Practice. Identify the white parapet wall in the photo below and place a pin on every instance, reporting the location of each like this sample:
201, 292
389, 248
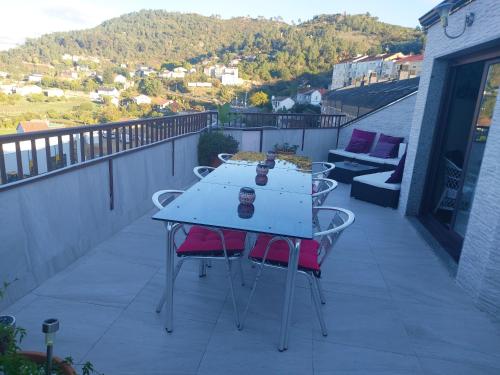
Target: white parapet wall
47, 224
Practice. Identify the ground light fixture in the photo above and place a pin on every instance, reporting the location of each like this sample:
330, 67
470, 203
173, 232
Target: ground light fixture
50, 327
444, 11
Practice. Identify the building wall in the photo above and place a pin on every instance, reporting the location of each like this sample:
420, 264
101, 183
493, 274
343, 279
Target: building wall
48, 224
480, 261
394, 119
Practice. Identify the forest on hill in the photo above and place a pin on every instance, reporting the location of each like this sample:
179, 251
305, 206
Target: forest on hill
271, 49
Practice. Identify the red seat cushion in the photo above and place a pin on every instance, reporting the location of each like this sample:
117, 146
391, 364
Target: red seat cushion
279, 251
204, 242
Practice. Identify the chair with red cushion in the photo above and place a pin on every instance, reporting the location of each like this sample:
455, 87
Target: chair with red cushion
204, 244
274, 252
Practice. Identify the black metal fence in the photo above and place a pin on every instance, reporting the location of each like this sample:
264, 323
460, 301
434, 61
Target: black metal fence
282, 120
27, 155
31, 154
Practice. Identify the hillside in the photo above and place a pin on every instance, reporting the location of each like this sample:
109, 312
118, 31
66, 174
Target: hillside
276, 49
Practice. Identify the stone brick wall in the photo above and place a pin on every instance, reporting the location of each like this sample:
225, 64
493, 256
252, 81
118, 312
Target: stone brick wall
479, 268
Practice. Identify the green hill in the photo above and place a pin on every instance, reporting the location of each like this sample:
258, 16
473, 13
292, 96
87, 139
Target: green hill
273, 48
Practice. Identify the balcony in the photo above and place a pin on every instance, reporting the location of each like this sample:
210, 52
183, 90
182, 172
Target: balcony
81, 242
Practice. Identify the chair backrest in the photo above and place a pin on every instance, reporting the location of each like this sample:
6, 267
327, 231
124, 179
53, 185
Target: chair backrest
202, 171
453, 175
339, 221
162, 197
321, 188
321, 169
224, 157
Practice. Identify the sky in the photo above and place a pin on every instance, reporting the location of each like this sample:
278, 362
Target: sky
23, 19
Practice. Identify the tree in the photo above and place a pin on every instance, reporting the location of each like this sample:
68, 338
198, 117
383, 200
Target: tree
150, 86
259, 99
226, 94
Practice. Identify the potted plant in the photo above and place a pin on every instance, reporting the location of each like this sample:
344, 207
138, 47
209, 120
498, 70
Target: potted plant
14, 361
285, 148
212, 144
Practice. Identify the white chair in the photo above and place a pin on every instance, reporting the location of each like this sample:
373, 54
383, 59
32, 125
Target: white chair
202, 171
274, 251
322, 169
321, 189
230, 248
225, 157
452, 179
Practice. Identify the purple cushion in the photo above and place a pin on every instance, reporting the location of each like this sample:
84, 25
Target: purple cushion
383, 150
394, 140
361, 141
397, 176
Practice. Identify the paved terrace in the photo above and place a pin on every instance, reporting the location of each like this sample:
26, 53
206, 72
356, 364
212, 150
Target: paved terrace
393, 308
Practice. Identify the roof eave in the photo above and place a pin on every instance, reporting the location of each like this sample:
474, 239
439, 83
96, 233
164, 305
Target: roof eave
431, 17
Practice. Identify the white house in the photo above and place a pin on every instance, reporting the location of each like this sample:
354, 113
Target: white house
120, 79
54, 92
180, 69
108, 91
28, 90
7, 89
199, 84
407, 67
142, 99
95, 97
35, 77
341, 72
4, 74
115, 101
281, 103
309, 96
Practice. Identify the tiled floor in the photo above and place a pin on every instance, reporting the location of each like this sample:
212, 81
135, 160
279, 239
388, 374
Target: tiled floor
392, 308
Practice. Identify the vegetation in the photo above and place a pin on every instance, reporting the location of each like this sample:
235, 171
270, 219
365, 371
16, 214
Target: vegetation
259, 99
270, 49
212, 144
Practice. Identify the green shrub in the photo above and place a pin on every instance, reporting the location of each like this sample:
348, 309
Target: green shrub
213, 143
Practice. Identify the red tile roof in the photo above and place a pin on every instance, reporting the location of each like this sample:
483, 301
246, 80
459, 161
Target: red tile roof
410, 58
34, 125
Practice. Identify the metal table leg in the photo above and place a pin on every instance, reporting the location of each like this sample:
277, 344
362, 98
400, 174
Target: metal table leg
169, 281
293, 261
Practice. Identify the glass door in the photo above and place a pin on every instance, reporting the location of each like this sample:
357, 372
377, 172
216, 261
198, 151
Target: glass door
477, 144
458, 151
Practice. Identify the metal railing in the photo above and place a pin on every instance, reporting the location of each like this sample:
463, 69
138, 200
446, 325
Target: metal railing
283, 120
32, 154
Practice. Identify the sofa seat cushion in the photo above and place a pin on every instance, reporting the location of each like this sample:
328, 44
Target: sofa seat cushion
378, 180
204, 242
366, 157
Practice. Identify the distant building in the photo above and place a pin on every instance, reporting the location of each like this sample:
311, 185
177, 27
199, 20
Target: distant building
199, 84
145, 71
142, 99
161, 103
54, 93
108, 91
4, 74
115, 101
364, 69
180, 69
69, 75
32, 126
408, 67
120, 79
309, 96
7, 89
28, 90
281, 103
35, 77
95, 97
227, 76
173, 74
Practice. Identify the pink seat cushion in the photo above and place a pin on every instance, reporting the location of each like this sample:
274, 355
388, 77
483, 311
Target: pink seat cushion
279, 251
204, 242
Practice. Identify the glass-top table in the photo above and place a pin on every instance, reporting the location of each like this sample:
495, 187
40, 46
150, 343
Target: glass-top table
290, 180
283, 207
